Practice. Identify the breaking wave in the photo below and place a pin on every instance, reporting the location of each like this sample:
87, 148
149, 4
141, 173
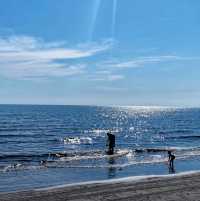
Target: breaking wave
78, 140
93, 158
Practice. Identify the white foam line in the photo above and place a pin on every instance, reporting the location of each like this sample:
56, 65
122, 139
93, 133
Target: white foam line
119, 153
119, 180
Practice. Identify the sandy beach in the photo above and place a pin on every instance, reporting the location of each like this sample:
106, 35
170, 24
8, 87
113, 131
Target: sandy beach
178, 187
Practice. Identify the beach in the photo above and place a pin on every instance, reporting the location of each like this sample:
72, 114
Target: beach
172, 187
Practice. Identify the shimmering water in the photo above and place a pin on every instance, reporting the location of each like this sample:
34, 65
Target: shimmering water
50, 145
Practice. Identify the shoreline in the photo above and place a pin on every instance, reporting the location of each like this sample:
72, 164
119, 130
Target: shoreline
184, 185
119, 180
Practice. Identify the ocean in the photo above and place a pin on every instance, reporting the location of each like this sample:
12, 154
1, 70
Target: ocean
42, 146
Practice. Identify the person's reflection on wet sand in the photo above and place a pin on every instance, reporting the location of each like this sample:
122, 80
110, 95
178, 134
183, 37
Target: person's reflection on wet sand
111, 168
171, 170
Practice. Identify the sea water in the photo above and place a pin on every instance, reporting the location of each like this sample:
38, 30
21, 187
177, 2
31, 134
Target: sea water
43, 146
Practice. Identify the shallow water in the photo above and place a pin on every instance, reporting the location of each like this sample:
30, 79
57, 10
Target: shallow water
51, 145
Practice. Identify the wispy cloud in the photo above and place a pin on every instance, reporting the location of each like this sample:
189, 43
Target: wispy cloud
111, 70
115, 77
141, 61
106, 77
111, 89
24, 56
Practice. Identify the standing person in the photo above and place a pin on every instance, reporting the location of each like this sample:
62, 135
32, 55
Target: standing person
110, 143
171, 158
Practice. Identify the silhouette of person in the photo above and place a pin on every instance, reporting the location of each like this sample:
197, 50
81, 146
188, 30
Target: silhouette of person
110, 143
171, 158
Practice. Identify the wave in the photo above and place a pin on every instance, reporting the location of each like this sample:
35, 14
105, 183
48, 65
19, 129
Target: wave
63, 160
29, 135
19, 166
65, 164
103, 131
151, 160
18, 129
97, 131
176, 131
79, 155
46, 156
13, 136
78, 140
184, 137
97, 155
29, 141
92, 159
93, 153
165, 149
23, 157
53, 160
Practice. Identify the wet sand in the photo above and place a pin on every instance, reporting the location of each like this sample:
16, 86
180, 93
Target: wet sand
179, 187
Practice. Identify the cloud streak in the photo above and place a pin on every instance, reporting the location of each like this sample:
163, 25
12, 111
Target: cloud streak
107, 76
141, 61
24, 56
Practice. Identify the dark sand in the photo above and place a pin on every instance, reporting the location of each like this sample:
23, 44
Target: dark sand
180, 187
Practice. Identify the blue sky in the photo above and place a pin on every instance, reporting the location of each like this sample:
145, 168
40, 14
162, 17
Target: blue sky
100, 52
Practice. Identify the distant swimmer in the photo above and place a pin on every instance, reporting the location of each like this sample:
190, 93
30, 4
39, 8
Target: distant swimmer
171, 158
110, 143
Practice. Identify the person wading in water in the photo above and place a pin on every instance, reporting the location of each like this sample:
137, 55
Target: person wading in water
110, 143
171, 158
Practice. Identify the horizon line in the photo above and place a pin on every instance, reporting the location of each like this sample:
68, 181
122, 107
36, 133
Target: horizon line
99, 105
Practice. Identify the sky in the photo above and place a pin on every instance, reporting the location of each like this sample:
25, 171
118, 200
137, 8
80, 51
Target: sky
100, 52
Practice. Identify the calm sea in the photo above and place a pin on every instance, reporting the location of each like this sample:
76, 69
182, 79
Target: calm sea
51, 145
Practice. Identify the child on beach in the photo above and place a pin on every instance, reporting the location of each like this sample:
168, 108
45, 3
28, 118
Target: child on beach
171, 158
